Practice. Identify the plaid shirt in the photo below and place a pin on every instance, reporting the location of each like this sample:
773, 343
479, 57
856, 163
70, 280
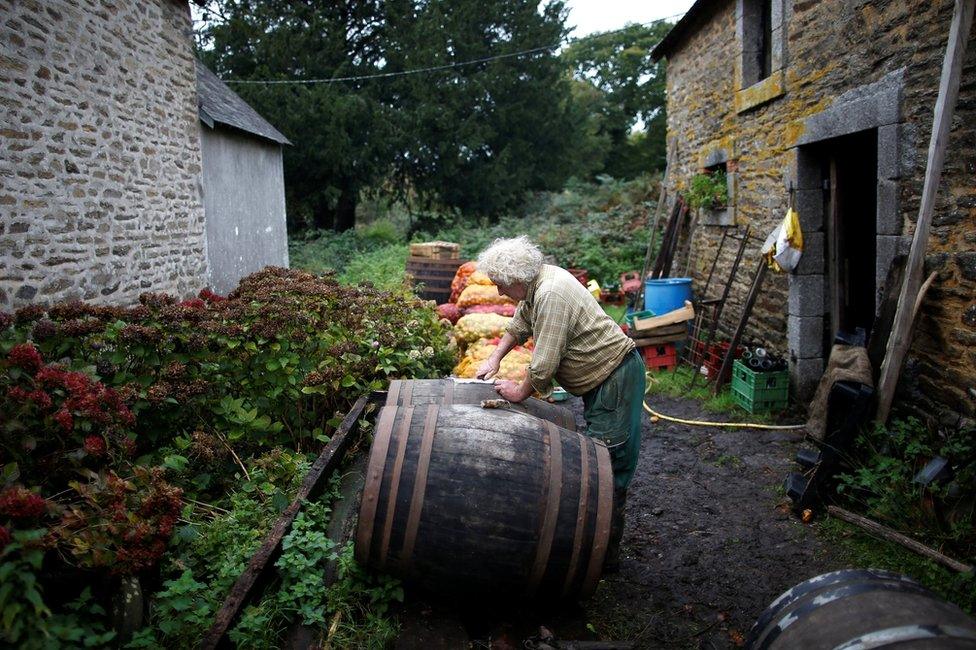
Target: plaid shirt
575, 341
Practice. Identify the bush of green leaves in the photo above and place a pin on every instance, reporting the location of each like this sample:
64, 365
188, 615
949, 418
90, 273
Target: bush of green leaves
881, 483
201, 387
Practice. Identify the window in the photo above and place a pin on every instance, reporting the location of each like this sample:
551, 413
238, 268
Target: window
760, 32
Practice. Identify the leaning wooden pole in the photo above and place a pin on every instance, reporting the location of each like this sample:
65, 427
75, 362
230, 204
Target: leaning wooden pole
661, 202
884, 532
900, 339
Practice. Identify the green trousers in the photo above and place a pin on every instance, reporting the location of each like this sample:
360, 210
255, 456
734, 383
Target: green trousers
613, 414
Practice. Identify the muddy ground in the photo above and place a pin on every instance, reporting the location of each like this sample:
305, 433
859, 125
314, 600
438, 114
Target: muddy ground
708, 544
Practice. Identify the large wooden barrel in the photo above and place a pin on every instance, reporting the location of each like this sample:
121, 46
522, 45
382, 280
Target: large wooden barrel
861, 608
435, 276
494, 503
418, 392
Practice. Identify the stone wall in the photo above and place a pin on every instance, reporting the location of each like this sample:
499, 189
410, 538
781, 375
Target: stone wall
847, 65
99, 179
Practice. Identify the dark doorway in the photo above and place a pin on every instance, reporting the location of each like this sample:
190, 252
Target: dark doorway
851, 174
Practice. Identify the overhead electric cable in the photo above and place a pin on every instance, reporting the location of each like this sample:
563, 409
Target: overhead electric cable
437, 68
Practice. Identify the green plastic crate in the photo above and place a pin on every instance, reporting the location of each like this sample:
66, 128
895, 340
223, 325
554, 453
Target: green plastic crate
631, 317
758, 405
759, 391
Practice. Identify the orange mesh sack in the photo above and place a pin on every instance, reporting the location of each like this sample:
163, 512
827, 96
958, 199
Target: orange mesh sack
460, 280
472, 327
513, 367
480, 294
480, 278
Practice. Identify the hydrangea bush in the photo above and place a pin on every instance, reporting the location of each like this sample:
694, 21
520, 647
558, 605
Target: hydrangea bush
97, 400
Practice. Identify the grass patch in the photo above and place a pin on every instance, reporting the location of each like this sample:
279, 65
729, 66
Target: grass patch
858, 549
616, 312
385, 267
676, 384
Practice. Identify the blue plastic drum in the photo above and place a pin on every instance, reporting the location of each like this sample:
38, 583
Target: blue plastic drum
666, 294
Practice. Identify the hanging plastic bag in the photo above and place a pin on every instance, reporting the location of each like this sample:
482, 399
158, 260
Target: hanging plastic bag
784, 246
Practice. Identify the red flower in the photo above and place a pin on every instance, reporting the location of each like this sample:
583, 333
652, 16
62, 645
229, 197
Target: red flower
50, 375
194, 303
129, 445
63, 417
20, 503
126, 415
26, 356
39, 397
95, 446
18, 394
76, 382
210, 296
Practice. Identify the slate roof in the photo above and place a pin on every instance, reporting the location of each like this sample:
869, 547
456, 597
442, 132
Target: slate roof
219, 104
684, 27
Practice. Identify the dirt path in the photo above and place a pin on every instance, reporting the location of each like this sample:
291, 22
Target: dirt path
708, 544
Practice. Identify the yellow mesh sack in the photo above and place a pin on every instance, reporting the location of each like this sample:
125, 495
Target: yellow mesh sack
481, 294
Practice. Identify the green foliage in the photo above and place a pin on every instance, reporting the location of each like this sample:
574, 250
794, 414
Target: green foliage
858, 548
474, 137
356, 604
384, 267
880, 483
203, 388
709, 190
26, 620
618, 64
601, 227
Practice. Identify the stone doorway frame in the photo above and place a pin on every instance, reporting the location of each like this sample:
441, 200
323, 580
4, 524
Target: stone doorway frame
876, 106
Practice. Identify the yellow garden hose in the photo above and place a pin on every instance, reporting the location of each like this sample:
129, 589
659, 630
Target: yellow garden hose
744, 425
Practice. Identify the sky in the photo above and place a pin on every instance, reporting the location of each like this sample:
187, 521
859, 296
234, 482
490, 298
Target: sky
601, 15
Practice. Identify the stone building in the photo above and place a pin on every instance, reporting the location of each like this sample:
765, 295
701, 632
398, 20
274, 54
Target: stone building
104, 190
834, 99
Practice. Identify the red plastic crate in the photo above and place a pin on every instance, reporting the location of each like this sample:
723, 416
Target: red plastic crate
660, 357
714, 354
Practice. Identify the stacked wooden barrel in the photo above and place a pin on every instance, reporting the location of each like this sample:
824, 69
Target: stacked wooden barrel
459, 498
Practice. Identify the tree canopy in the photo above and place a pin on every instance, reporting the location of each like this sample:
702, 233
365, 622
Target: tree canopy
618, 63
380, 96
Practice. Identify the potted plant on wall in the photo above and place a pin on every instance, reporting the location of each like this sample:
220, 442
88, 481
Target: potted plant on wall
709, 193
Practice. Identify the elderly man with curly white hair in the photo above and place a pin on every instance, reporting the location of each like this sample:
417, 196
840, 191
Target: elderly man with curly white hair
580, 346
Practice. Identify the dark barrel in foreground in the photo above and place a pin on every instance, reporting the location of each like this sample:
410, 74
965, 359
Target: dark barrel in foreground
419, 392
861, 609
485, 503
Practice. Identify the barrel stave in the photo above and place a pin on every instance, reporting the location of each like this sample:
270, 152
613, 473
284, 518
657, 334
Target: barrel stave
494, 516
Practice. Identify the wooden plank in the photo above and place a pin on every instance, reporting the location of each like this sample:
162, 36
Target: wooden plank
729, 357
885, 317
665, 330
659, 340
258, 569
893, 536
686, 313
900, 339
661, 201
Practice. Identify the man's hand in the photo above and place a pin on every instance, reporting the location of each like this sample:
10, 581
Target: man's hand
489, 368
512, 391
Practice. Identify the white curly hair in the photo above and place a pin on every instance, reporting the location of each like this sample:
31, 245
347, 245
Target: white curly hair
511, 261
